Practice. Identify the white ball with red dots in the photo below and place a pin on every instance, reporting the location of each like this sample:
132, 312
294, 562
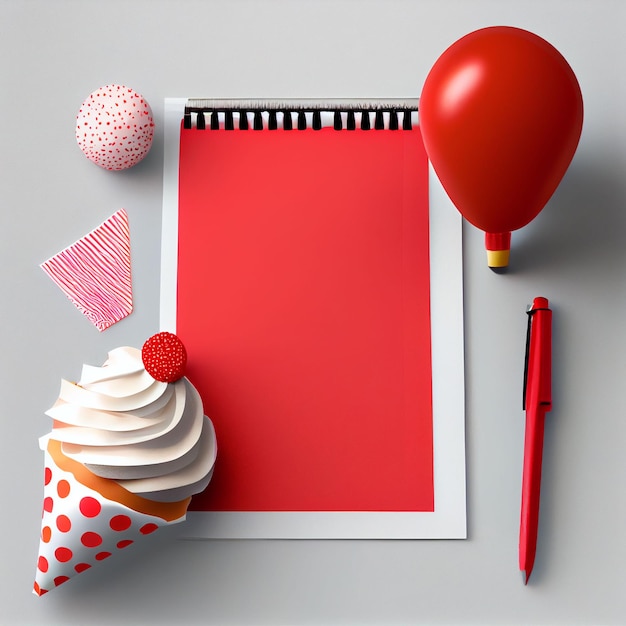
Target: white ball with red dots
115, 127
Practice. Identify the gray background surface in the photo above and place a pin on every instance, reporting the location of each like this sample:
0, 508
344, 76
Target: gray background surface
53, 53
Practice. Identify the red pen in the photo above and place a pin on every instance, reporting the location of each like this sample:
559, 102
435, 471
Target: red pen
537, 402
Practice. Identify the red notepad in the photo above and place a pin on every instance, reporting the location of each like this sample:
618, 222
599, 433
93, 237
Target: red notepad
303, 301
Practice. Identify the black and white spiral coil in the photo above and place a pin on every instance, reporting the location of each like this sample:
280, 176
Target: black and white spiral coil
206, 114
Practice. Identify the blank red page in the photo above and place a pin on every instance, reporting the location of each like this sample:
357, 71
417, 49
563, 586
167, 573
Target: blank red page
303, 301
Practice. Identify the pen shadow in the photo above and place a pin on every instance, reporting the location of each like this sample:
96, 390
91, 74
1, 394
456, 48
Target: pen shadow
583, 223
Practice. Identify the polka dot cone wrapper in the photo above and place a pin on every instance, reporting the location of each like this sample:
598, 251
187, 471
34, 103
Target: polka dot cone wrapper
80, 527
115, 127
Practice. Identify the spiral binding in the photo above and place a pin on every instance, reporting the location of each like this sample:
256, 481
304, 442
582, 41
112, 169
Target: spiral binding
207, 114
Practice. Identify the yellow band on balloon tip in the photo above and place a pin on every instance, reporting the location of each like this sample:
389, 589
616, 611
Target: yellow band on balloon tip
498, 258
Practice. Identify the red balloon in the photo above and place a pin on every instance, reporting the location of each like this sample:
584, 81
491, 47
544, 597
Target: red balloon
501, 114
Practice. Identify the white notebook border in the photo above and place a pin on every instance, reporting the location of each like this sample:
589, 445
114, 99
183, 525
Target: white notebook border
448, 521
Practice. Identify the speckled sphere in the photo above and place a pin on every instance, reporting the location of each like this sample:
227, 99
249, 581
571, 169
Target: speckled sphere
114, 127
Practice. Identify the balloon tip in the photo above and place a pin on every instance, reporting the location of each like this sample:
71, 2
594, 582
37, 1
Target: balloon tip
498, 246
498, 260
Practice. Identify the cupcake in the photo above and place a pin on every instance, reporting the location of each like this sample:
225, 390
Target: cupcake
125, 454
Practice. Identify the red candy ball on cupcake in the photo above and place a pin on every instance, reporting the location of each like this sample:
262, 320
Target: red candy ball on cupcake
164, 357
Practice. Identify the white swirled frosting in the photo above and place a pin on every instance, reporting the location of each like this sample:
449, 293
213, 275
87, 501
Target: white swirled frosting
151, 437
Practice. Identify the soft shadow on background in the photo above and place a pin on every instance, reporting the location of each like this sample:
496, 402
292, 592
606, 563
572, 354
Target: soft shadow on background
583, 224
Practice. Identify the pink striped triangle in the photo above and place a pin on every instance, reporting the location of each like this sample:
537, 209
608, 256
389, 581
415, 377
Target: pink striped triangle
94, 273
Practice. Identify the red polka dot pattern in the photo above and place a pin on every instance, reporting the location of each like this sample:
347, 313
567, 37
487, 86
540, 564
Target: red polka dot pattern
91, 539
63, 488
120, 522
90, 507
38, 590
64, 524
146, 529
115, 127
80, 527
63, 554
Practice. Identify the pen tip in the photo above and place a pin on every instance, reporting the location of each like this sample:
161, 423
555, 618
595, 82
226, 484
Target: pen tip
499, 270
525, 576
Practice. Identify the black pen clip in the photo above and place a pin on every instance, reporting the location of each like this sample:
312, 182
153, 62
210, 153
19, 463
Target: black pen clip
530, 311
